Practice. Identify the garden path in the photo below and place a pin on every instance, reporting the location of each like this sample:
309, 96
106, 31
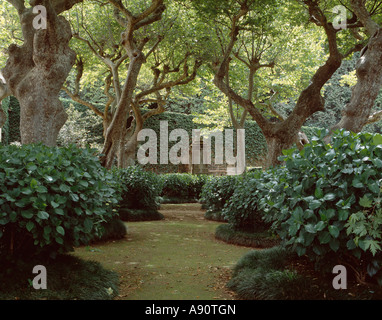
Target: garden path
177, 258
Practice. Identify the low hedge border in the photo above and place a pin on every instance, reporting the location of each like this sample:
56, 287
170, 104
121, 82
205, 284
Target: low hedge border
226, 233
69, 278
278, 274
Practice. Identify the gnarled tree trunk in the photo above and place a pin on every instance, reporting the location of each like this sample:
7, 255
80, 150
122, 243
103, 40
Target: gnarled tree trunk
36, 71
369, 73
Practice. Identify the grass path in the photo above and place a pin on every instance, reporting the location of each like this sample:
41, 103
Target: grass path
174, 259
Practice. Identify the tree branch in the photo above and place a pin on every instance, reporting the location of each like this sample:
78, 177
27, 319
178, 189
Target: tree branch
76, 97
18, 4
221, 72
363, 15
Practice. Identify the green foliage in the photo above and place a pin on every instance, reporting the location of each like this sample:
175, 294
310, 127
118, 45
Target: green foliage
83, 127
273, 274
69, 278
182, 185
317, 201
227, 233
255, 144
52, 199
12, 126
114, 229
364, 225
242, 210
5, 129
127, 214
217, 191
140, 188
261, 275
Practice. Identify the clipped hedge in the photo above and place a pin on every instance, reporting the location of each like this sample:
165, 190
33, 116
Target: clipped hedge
325, 202
140, 188
254, 139
5, 129
182, 187
11, 129
52, 199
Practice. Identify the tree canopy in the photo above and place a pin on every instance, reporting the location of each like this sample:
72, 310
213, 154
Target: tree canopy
283, 64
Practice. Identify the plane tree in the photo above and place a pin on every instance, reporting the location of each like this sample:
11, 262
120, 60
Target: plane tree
153, 55
37, 65
245, 15
358, 112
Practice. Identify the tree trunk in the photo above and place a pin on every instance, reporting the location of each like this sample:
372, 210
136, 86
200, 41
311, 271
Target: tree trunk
365, 92
115, 139
130, 151
279, 137
35, 73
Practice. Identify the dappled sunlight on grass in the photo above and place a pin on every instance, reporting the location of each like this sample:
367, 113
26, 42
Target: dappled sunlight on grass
176, 258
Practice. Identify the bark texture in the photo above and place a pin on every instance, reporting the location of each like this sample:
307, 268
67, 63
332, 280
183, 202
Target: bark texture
357, 112
35, 72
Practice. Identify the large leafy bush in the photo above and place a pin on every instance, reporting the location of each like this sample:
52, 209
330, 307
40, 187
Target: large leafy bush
52, 199
325, 202
140, 188
242, 207
217, 191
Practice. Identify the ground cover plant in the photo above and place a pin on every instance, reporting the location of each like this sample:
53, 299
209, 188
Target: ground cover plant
69, 278
228, 234
278, 273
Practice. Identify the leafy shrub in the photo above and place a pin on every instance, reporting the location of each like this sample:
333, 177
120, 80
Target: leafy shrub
140, 188
197, 185
182, 185
51, 199
325, 202
114, 229
69, 278
242, 208
217, 191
